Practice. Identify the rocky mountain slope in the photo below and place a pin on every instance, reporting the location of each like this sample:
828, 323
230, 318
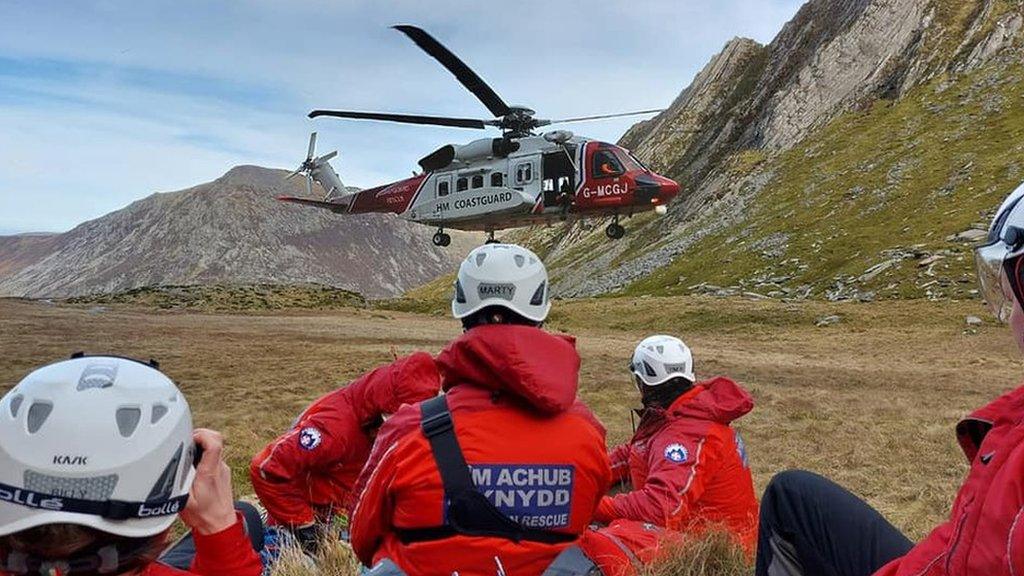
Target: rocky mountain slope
849, 158
231, 230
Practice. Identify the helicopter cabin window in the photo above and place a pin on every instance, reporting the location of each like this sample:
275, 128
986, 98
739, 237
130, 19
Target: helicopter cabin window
606, 165
478, 181
524, 173
442, 188
461, 184
497, 180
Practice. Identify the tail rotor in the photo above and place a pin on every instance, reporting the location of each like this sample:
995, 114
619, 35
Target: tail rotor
318, 169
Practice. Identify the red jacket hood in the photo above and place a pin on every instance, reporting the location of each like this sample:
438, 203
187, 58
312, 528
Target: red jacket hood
718, 400
526, 362
1007, 409
405, 381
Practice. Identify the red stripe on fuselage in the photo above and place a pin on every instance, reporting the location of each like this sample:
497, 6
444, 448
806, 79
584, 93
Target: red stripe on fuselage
395, 197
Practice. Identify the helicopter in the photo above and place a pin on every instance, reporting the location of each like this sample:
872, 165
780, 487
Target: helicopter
520, 178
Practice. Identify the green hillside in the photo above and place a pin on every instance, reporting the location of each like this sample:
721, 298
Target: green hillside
866, 206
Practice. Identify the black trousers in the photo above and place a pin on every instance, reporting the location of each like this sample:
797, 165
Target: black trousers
181, 554
811, 526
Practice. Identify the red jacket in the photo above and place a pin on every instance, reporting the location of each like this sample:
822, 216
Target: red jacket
688, 467
512, 394
313, 468
985, 532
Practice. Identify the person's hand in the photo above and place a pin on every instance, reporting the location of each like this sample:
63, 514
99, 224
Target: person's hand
211, 506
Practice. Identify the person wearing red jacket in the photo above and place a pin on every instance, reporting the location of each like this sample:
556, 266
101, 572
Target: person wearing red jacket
503, 472
687, 466
307, 475
97, 459
810, 525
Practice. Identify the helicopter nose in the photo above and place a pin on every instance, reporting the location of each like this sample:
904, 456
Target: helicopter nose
669, 190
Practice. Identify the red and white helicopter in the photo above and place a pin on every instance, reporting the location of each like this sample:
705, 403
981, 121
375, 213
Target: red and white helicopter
518, 179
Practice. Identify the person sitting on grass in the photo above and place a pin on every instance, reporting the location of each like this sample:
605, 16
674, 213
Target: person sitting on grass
97, 459
687, 465
305, 477
810, 525
501, 474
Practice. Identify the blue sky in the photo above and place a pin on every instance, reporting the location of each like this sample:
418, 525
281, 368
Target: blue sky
106, 102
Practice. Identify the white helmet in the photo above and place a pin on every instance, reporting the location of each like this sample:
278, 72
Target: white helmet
502, 275
658, 359
95, 441
1000, 254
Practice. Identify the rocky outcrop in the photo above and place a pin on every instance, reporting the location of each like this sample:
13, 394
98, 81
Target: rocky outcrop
753, 103
231, 230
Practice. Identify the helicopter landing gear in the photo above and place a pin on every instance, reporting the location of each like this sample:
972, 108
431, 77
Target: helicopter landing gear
441, 239
615, 230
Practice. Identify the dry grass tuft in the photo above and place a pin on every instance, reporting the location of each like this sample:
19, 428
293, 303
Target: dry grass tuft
336, 558
714, 555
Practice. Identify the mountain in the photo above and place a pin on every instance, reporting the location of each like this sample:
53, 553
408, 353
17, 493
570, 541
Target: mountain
231, 230
852, 157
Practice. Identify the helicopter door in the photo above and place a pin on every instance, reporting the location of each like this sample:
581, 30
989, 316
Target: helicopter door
558, 177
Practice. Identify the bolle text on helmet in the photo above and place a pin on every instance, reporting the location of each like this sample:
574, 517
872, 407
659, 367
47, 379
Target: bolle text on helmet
165, 509
30, 499
503, 291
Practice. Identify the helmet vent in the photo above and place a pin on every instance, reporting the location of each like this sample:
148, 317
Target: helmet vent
159, 411
94, 488
460, 296
649, 370
661, 349
480, 259
37, 415
128, 420
538, 295
16, 405
520, 260
165, 483
98, 375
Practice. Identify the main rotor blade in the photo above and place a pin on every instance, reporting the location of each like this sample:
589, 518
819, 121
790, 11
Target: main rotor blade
296, 172
312, 146
458, 68
309, 185
326, 157
603, 116
403, 118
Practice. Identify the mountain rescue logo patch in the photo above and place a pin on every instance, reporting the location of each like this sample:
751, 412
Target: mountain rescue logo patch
310, 438
676, 453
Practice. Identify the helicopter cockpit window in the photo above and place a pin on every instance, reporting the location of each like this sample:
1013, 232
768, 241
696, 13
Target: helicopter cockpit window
461, 184
606, 165
442, 188
478, 181
497, 180
524, 173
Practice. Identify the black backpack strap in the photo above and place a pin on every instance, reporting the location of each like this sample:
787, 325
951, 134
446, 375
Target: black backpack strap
436, 423
469, 512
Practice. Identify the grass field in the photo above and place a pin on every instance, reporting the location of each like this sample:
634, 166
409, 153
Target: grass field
870, 401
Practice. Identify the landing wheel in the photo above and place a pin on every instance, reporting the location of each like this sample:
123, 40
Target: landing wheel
442, 239
490, 239
615, 231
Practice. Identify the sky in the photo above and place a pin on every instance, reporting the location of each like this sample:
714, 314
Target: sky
106, 102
